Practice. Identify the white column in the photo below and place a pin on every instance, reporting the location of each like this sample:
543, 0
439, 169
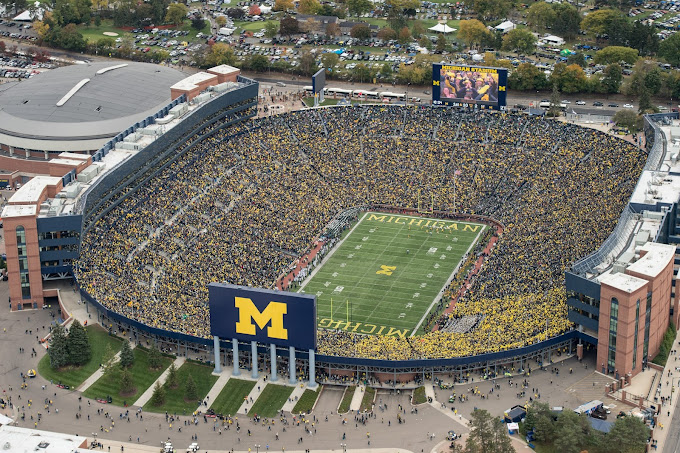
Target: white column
234, 345
253, 353
291, 365
312, 378
274, 378
216, 350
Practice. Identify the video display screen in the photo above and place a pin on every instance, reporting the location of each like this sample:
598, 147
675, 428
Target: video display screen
469, 86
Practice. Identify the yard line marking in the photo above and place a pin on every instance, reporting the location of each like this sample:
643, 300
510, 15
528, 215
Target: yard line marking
327, 257
448, 282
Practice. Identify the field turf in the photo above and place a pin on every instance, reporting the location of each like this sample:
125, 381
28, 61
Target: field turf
388, 272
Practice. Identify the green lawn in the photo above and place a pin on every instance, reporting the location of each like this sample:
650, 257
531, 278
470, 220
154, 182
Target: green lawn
231, 397
346, 399
142, 376
307, 401
271, 400
388, 271
252, 26
73, 377
419, 396
92, 33
174, 401
367, 400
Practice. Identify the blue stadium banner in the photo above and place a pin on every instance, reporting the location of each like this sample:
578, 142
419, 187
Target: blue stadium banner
474, 87
262, 315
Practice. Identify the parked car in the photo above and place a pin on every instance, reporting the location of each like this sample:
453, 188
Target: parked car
628, 106
598, 104
580, 102
612, 104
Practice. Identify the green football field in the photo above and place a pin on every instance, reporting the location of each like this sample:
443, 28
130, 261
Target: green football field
388, 272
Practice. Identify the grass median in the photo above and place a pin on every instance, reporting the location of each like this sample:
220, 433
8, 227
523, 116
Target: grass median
232, 396
74, 376
142, 377
175, 401
307, 401
346, 399
367, 400
271, 400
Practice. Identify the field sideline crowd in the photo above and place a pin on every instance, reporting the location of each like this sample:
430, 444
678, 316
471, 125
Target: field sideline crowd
241, 209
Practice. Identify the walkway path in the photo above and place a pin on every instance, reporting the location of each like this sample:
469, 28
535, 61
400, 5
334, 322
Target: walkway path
254, 394
146, 396
355, 405
294, 397
217, 388
99, 373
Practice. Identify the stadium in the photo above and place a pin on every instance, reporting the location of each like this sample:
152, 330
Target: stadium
434, 239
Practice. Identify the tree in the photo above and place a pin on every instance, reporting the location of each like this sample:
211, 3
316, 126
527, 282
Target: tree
258, 63
628, 435
235, 13
155, 358
473, 32
555, 102
126, 383
172, 380
72, 12
569, 79
404, 36
360, 31
283, 5
220, 53
541, 15
271, 29
176, 14
630, 120
527, 77
254, 10
571, 433
16, 5
158, 396
425, 42
58, 350
79, 351
329, 60
386, 70
289, 26
362, 73
442, 43
386, 34
41, 28
492, 9
598, 22
612, 76
307, 63
616, 54
669, 49
198, 23
644, 101
222, 21
487, 434
358, 7
418, 29
332, 30
577, 58
519, 40
567, 20
309, 6
127, 357
643, 37
190, 390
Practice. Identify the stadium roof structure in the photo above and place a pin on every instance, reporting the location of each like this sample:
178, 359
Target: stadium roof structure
91, 102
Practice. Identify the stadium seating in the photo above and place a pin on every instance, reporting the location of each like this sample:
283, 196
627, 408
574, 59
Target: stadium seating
240, 207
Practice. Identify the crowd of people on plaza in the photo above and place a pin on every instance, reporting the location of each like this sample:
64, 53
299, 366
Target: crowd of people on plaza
242, 205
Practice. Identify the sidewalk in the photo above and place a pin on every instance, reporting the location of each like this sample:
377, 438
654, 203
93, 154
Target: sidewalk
254, 394
355, 405
99, 373
146, 396
294, 397
217, 388
668, 390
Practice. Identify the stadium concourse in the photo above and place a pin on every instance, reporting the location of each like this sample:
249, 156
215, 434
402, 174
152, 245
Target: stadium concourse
242, 209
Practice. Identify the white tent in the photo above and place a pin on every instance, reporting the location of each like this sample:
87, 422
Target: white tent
442, 28
35, 12
505, 27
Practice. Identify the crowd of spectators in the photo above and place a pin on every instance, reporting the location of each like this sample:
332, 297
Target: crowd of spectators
241, 207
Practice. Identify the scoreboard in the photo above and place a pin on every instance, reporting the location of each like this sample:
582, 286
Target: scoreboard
469, 86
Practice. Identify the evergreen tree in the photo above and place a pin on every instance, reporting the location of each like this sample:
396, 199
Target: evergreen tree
173, 381
644, 101
487, 434
127, 357
158, 396
155, 358
555, 102
191, 392
126, 384
79, 351
58, 350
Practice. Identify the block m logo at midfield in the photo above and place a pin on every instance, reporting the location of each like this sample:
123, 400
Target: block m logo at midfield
273, 314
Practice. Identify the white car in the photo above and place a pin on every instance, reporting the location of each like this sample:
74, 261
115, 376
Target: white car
565, 101
628, 106
663, 108
580, 102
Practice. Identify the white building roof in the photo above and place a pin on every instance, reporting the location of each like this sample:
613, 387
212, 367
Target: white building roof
507, 25
30, 192
655, 260
192, 81
19, 210
623, 282
61, 161
224, 69
24, 439
75, 156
